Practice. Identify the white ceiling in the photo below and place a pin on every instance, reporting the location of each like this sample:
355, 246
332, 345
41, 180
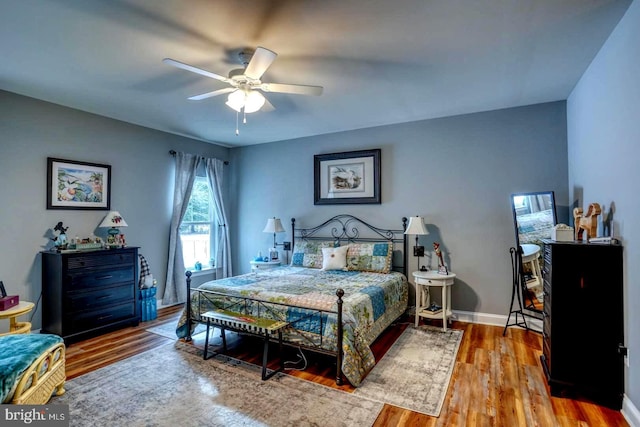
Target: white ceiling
379, 61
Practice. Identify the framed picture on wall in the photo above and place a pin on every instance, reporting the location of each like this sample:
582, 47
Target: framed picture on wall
351, 177
78, 185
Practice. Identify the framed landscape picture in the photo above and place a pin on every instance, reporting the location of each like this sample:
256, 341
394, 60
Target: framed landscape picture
78, 185
347, 178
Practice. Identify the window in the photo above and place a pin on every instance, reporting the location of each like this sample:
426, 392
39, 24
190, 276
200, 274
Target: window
197, 231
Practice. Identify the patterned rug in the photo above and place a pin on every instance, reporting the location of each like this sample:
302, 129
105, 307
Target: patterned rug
168, 329
415, 372
174, 386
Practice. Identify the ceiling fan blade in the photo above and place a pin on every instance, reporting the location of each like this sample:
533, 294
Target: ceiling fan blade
293, 89
193, 69
212, 94
261, 60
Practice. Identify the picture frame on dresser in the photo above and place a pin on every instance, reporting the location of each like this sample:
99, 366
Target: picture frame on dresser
347, 178
73, 185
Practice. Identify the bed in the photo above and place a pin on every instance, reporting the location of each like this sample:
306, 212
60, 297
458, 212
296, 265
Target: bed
338, 310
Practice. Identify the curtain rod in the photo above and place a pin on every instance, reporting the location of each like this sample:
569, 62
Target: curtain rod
173, 153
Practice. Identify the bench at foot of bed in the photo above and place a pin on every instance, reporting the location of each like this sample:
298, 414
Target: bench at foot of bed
253, 325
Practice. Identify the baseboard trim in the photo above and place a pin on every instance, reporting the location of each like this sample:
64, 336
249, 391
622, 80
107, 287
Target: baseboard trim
630, 412
493, 319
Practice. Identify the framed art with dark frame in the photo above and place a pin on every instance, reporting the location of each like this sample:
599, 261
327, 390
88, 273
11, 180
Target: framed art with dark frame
351, 177
78, 185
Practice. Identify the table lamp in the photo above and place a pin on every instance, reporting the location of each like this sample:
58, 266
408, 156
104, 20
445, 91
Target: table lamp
113, 220
274, 225
417, 228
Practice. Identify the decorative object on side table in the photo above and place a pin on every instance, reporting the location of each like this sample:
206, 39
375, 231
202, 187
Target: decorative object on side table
417, 228
442, 267
78, 185
114, 220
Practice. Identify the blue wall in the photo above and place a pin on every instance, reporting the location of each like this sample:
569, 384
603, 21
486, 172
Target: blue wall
457, 172
603, 121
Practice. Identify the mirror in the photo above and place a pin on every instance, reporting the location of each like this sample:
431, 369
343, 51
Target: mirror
534, 216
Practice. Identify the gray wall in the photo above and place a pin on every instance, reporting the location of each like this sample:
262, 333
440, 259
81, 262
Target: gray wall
142, 172
603, 141
457, 172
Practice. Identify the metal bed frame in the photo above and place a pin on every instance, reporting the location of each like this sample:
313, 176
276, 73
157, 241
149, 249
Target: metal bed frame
342, 229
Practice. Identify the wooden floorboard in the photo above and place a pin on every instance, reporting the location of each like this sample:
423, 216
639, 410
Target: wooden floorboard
497, 381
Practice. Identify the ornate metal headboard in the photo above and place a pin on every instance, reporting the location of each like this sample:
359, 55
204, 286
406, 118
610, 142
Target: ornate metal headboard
345, 228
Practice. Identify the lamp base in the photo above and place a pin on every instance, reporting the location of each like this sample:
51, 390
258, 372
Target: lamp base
112, 237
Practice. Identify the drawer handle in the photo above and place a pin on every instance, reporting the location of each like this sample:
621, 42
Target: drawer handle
109, 276
105, 317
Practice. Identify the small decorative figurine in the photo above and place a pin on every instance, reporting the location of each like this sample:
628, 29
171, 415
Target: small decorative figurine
61, 240
588, 221
442, 268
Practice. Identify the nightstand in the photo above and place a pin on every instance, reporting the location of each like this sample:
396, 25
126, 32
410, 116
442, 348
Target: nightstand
424, 280
263, 265
12, 313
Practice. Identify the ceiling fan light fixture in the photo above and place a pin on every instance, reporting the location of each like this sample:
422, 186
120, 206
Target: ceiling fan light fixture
253, 101
250, 100
235, 100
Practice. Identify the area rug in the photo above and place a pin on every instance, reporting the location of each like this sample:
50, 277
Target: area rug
168, 329
168, 386
415, 372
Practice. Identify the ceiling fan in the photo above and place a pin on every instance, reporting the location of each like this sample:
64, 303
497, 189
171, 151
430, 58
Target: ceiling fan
245, 92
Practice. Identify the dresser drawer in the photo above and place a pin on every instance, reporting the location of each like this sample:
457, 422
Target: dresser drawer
77, 301
80, 322
104, 259
87, 279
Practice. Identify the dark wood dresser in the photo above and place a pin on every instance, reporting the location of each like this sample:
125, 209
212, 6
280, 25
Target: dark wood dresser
87, 293
583, 337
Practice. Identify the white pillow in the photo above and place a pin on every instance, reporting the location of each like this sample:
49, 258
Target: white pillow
334, 258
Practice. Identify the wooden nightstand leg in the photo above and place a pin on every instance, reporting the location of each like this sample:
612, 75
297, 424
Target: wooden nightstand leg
445, 305
418, 302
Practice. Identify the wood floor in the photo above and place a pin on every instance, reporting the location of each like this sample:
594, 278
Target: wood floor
497, 381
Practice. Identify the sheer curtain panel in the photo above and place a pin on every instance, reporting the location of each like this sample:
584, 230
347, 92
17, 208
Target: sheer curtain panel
175, 289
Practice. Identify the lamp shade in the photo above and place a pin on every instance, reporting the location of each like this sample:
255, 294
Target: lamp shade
273, 226
416, 226
113, 219
251, 100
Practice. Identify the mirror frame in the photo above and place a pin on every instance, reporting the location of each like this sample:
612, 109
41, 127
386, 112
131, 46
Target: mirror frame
527, 300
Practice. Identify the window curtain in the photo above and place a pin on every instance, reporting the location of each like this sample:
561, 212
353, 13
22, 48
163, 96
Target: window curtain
175, 290
215, 173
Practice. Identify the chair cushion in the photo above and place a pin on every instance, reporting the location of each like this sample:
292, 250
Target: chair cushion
17, 353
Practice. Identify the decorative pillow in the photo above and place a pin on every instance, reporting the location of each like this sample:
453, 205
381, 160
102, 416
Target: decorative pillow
334, 258
373, 257
308, 253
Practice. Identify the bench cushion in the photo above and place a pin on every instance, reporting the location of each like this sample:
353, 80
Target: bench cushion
17, 353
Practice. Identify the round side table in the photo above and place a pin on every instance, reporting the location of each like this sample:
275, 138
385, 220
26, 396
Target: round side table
424, 280
263, 265
16, 327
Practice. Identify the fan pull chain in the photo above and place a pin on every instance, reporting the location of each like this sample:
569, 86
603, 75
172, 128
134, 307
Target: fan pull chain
244, 116
237, 131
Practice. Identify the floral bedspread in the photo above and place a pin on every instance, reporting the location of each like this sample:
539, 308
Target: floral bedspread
372, 301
